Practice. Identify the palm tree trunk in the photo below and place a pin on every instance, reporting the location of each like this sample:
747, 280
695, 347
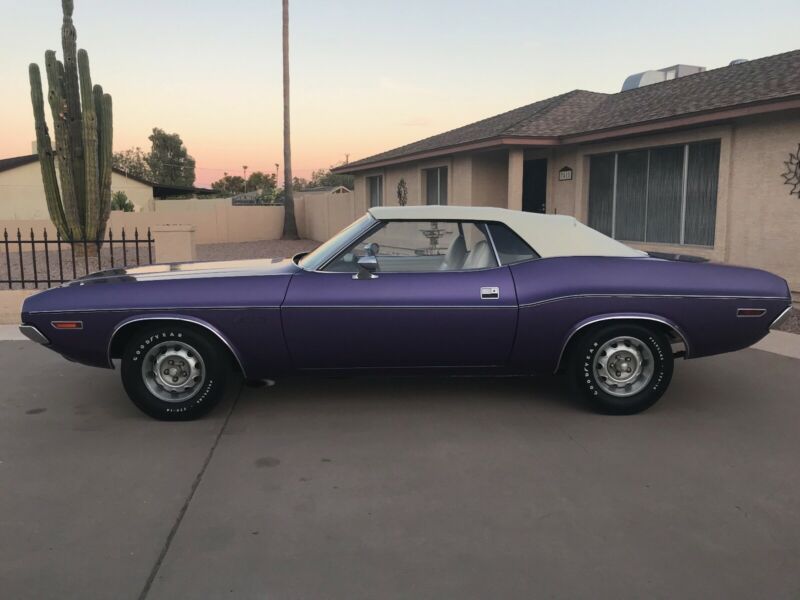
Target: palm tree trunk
289, 223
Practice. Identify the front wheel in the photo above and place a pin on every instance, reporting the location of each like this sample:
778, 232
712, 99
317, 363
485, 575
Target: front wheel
173, 372
621, 369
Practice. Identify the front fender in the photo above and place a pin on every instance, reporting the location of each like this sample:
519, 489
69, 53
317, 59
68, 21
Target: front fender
119, 332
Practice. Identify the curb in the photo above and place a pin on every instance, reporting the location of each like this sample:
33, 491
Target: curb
10, 333
780, 342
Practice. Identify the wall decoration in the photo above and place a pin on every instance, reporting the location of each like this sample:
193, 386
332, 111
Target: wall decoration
565, 174
792, 175
402, 192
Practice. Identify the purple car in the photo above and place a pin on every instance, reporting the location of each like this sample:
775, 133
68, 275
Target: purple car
450, 289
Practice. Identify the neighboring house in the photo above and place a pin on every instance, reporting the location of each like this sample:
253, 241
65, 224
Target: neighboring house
22, 192
691, 164
326, 189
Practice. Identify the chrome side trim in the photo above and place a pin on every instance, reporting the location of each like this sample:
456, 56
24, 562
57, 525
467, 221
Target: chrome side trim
197, 322
33, 334
624, 317
394, 307
781, 318
694, 296
145, 309
92, 279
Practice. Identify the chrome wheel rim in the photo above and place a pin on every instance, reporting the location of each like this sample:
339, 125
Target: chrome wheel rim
623, 366
173, 371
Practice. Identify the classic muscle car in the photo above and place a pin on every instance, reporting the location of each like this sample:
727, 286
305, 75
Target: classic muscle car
453, 289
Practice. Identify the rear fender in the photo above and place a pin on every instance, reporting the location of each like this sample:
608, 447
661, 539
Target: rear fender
678, 334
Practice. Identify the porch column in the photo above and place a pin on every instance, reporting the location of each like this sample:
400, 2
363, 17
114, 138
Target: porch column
515, 165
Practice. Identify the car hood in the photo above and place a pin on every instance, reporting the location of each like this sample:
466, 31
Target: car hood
192, 270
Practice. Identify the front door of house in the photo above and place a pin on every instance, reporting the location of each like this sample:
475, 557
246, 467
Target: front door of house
534, 186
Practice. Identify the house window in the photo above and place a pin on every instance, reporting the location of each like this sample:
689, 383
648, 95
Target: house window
666, 195
435, 185
375, 190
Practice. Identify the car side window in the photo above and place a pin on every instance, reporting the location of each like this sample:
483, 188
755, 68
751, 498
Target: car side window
421, 247
510, 247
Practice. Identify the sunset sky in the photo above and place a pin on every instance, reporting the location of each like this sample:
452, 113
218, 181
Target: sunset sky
367, 75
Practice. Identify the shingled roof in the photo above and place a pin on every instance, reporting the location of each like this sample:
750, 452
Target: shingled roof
17, 161
558, 119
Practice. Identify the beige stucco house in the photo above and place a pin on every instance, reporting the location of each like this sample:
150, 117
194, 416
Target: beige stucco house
699, 164
22, 191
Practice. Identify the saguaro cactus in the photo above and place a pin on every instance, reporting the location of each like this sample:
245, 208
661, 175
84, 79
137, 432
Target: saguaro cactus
82, 121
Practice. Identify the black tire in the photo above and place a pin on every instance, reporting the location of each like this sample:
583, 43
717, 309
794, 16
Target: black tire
587, 374
211, 362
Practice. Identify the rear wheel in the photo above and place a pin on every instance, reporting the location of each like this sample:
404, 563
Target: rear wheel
621, 369
173, 372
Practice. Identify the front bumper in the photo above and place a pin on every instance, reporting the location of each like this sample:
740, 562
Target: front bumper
781, 318
33, 334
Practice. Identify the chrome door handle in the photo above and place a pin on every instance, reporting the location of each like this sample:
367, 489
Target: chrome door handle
490, 293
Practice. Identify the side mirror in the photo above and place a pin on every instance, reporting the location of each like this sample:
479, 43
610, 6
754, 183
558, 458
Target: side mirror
367, 265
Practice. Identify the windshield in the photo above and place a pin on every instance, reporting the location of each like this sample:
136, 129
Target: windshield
314, 260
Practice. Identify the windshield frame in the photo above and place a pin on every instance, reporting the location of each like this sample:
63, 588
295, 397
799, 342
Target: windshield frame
317, 259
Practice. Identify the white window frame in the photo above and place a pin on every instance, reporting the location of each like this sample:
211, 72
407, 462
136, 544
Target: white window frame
684, 185
426, 173
380, 185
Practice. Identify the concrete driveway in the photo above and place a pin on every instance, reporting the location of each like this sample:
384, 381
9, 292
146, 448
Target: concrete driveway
401, 488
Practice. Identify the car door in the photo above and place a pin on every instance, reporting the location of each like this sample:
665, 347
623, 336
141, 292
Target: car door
438, 299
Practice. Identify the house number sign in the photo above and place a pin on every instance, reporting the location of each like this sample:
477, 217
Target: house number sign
565, 174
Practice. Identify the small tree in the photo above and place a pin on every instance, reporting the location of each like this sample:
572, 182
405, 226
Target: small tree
300, 183
119, 201
259, 180
169, 161
230, 184
134, 163
326, 178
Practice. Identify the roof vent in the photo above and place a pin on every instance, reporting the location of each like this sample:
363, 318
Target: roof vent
644, 78
737, 61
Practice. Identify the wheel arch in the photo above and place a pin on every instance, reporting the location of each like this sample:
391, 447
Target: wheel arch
673, 331
126, 328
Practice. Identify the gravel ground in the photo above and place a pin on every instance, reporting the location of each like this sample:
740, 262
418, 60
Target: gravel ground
262, 249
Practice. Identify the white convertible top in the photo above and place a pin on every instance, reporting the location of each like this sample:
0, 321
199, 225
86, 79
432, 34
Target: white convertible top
549, 235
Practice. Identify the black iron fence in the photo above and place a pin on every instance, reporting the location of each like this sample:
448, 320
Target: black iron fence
32, 262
